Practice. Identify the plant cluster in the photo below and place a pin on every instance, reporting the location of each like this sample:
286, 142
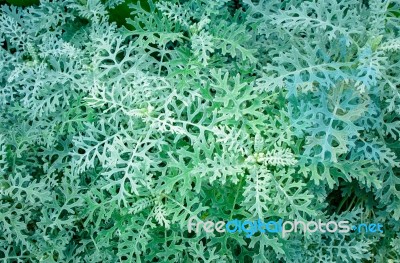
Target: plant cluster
112, 137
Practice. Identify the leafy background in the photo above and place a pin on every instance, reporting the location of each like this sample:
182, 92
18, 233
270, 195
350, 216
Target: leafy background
114, 132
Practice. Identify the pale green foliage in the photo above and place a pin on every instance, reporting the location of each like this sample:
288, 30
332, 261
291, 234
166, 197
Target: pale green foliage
111, 138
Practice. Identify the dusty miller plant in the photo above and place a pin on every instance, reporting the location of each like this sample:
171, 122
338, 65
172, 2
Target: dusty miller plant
112, 137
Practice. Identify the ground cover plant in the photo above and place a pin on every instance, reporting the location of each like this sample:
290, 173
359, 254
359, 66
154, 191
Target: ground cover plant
114, 132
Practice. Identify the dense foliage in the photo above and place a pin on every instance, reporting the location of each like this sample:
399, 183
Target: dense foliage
112, 137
